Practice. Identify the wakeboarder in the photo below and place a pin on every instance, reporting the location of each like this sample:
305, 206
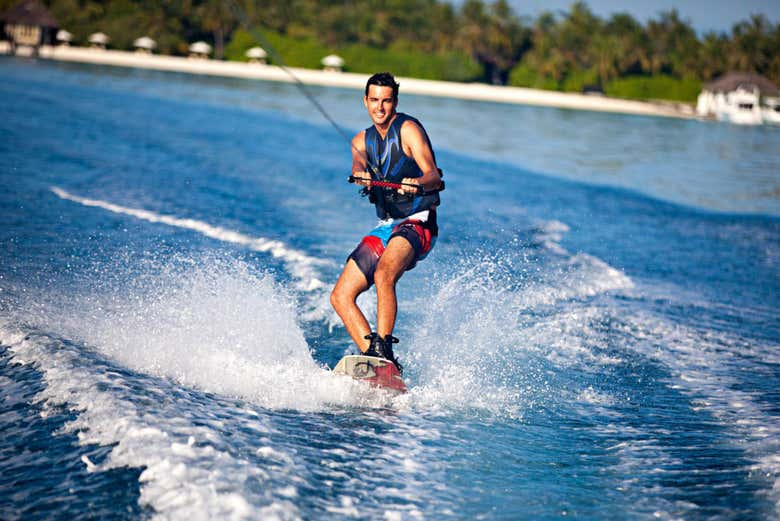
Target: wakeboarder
394, 161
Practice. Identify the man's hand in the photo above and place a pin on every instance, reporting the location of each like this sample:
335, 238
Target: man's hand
362, 178
413, 190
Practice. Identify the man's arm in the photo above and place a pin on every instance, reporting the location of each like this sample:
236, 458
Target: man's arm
416, 145
359, 166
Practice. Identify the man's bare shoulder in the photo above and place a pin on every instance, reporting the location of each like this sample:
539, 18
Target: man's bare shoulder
411, 126
359, 140
412, 132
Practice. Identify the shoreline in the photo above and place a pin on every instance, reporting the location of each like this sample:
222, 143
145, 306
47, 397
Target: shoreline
350, 80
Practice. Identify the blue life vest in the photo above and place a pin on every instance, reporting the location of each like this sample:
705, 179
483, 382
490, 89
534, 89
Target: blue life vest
387, 155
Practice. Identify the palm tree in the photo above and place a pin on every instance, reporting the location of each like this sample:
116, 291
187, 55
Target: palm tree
630, 44
219, 19
713, 56
605, 52
494, 37
575, 36
752, 48
674, 45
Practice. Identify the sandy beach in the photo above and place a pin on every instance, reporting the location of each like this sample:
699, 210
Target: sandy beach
469, 91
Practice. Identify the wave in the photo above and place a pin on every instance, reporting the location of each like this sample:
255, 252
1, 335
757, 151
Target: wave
300, 265
189, 473
219, 326
203, 457
215, 324
706, 367
487, 334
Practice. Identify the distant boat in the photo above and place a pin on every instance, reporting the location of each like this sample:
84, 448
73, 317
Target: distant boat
737, 98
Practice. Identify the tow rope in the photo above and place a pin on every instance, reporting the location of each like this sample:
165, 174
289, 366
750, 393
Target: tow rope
279, 61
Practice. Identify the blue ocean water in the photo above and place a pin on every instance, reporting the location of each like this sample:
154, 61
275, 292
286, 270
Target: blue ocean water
595, 335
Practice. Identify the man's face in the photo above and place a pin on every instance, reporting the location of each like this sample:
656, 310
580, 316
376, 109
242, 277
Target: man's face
380, 104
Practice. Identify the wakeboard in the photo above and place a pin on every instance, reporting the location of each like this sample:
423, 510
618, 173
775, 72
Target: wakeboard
378, 372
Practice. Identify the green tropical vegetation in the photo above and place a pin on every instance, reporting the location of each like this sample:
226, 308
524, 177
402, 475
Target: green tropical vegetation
472, 40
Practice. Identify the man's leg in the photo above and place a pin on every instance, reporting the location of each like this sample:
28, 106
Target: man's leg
398, 255
351, 283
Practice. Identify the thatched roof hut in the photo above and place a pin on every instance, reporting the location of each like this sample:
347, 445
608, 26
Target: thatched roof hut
748, 81
29, 12
29, 24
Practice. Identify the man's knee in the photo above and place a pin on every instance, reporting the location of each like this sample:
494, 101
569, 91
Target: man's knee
342, 297
385, 277
338, 299
334, 299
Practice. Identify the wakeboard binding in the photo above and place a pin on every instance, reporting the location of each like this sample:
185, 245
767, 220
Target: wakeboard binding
383, 348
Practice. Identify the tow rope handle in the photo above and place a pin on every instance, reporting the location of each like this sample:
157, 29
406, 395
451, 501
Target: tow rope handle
388, 184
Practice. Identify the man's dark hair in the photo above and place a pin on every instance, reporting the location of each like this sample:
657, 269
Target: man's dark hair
383, 79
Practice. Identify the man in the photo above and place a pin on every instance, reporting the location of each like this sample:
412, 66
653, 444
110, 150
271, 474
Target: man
396, 149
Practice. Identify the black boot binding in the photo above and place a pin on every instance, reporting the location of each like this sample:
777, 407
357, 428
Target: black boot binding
374, 349
389, 341
383, 348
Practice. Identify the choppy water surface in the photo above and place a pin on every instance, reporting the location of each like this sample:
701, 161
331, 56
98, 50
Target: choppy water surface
595, 335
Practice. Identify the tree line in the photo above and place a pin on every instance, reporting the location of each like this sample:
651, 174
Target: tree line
473, 41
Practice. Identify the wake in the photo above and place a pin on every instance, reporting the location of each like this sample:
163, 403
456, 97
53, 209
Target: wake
302, 267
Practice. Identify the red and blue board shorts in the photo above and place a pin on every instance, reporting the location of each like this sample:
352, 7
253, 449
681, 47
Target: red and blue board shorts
421, 234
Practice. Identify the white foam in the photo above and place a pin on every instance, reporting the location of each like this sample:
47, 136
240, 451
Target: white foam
490, 343
191, 470
211, 324
346, 507
549, 234
576, 277
185, 478
594, 397
701, 368
301, 266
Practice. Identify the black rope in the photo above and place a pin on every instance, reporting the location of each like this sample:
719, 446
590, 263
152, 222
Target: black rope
279, 61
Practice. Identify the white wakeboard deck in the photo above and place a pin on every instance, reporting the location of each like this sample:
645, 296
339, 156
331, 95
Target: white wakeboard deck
378, 372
